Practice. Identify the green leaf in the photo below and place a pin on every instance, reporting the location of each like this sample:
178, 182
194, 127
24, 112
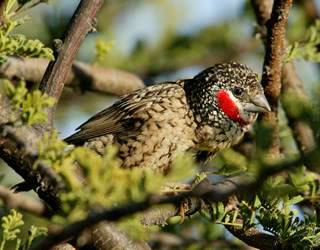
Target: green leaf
295, 200
30, 105
11, 227
307, 49
19, 45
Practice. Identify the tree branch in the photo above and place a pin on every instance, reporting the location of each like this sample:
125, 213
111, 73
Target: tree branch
23, 202
212, 192
291, 83
19, 149
108, 236
57, 71
82, 76
273, 61
63, 246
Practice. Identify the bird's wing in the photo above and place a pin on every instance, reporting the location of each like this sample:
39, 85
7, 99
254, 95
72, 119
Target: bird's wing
113, 120
124, 116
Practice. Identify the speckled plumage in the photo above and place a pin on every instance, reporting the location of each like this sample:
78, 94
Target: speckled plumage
152, 125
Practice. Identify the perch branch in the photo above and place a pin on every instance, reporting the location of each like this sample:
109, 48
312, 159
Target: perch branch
212, 192
57, 71
82, 76
108, 236
273, 61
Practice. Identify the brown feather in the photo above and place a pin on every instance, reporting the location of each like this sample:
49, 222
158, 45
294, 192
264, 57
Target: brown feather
122, 116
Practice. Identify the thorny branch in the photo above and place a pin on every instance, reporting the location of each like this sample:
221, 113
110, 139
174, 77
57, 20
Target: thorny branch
273, 61
212, 192
57, 71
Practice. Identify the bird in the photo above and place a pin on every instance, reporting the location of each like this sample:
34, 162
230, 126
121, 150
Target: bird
201, 115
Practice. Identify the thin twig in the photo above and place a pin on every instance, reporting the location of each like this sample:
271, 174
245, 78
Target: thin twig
57, 71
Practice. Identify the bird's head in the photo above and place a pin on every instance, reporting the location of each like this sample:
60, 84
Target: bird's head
227, 90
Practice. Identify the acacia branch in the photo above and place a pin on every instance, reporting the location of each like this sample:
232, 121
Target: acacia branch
273, 61
291, 83
212, 192
82, 76
57, 71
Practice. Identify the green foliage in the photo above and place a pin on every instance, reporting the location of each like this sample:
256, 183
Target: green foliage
30, 105
176, 51
17, 44
281, 220
102, 49
103, 183
309, 48
231, 162
297, 107
132, 226
33, 233
275, 208
263, 136
107, 184
11, 225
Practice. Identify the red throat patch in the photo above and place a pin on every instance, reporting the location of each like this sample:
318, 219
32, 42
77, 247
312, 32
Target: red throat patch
227, 105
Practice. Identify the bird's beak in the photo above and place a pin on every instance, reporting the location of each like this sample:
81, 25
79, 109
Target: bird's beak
258, 103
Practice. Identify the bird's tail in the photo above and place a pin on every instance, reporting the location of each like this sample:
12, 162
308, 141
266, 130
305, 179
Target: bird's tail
77, 138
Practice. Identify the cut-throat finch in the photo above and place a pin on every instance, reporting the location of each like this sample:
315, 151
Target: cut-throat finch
202, 115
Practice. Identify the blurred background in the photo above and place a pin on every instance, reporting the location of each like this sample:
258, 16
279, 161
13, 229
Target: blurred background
163, 40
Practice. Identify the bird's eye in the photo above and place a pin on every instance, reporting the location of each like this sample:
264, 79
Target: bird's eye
237, 91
